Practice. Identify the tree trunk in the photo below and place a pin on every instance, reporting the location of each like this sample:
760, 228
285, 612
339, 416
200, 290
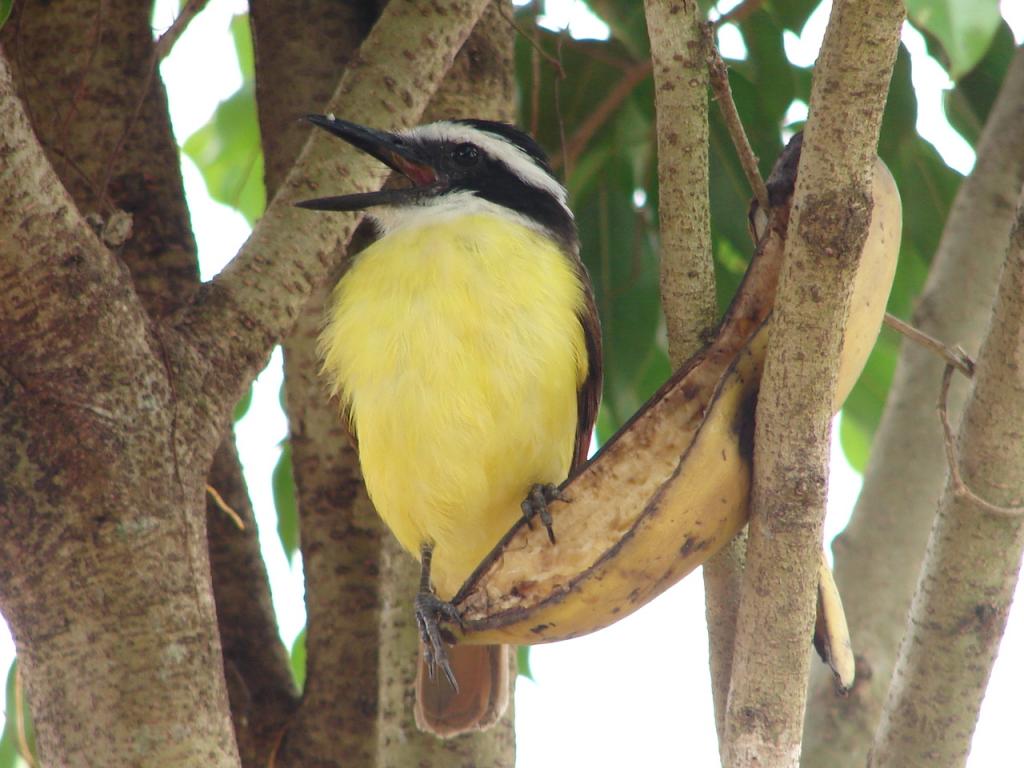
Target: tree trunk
878, 556
973, 557
828, 225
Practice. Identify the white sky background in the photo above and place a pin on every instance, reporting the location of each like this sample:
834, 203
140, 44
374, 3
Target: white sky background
637, 693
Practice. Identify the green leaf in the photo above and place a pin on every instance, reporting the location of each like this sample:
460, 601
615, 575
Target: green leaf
242, 406
766, 67
926, 183
626, 20
5, 11
589, 66
283, 482
855, 442
298, 659
730, 266
10, 755
523, 661
618, 242
899, 121
619, 248
242, 36
862, 410
730, 192
227, 151
968, 104
964, 28
792, 14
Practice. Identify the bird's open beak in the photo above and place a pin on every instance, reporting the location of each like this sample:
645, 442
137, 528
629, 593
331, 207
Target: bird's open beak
392, 150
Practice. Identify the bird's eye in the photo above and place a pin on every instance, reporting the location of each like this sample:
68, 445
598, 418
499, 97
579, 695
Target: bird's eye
465, 155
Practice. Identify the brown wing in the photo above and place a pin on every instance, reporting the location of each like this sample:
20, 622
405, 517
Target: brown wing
589, 396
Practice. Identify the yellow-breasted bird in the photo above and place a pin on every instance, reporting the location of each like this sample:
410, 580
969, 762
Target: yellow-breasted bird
465, 348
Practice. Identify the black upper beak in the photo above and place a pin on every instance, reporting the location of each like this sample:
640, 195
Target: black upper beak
392, 150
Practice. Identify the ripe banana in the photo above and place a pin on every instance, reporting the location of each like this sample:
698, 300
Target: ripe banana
672, 487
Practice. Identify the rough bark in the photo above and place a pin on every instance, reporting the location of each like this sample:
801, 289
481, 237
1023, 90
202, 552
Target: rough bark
723, 584
972, 562
82, 70
878, 556
829, 220
106, 583
82, 73
684, 221
101, 114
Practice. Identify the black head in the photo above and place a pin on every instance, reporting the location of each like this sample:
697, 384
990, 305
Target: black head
462, 165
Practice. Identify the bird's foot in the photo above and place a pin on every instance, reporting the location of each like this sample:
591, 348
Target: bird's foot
430, 612
536, 505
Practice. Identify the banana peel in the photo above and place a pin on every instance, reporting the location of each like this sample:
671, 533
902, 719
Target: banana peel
831, 634
672, 487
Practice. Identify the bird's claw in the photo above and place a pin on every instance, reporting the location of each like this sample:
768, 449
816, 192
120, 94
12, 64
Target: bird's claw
430, 612
536, 505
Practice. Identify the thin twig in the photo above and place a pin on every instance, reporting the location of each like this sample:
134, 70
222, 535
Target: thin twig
739, 13
955, 356
166, 41
719, 77
534, 87
556, 62
533, 43
558, 105
225, 507
632, 77
960, 488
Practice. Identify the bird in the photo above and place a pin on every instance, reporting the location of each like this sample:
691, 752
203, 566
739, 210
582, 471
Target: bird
464, 347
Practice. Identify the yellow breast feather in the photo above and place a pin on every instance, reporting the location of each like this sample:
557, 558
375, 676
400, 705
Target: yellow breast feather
458, 350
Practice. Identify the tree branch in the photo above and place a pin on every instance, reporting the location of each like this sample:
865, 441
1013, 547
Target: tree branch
971, 566
256, 668
681, 102
60, 288
878, 557
298, 63
259, 295
104, 55
105, 50
679, 51
96, 492
953, 356
829, 221
165, 43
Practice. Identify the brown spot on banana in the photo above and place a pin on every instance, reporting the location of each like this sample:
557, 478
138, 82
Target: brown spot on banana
678, 473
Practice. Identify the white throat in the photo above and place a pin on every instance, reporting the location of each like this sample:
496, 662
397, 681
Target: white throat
443, 208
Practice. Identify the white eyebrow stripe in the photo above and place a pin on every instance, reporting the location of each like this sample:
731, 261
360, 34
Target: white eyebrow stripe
517, 161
